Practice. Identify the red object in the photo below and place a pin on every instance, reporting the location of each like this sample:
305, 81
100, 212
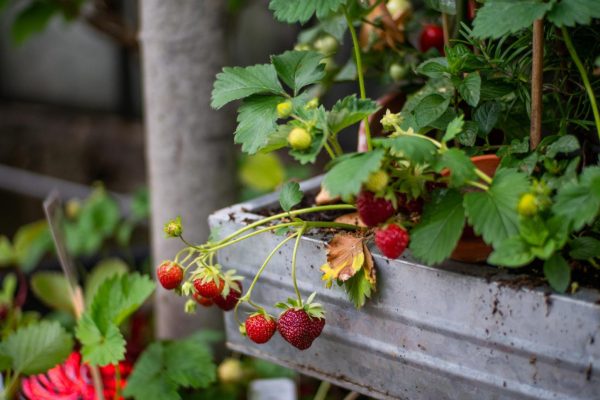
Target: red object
259, 328
169, 274
432, 35
209, 288
471, 10
228, 303
72, 380
373, 210
392, 240
409, 206
203, 301
298, 328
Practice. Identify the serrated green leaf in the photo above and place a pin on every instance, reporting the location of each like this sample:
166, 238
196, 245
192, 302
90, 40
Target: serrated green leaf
416, 149
291, 11
468, 136
487, 115
493, 213
100, 348
33, 19
358, 288
460, 165
558, 272
511, 252
52, 288
499, 17
148, 380
533, 230
470, 88
256, 122
31, 243
564, 144
572, 12
298, 69
584, 248
579, 202
429, 109
441, 225
37, 347
290, 195
348, 111
454, 128
189, 363
359, 167
434, 67
104, 270
236, 83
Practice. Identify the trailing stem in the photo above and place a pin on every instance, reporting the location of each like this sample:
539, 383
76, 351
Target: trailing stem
359, 72
294, 254
584, 77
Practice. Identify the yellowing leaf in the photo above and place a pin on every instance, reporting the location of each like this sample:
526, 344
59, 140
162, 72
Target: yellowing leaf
346, 255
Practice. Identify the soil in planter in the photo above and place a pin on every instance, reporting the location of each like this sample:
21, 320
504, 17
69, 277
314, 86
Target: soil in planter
532, 276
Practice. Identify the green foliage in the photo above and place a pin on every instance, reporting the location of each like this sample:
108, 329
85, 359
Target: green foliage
470, 88
498, 17
236, 83
33, 19
558, 273
572, 12
290, 195
291, 11
164, 367
52, 288
416, 149
348, 111
492, 213
460, 165
118, 297
358, 166
578, 202
487, 116
429, 109
256, 122
453, 129
359, 289
36, 348
511, 252
584, 248
30, 243
434, 238
102, 271
298, 69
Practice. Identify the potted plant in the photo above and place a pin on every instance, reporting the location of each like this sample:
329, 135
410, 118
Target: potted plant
448, 329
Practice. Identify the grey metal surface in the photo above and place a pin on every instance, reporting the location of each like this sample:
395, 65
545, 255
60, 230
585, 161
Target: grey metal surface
453, 332
272, 389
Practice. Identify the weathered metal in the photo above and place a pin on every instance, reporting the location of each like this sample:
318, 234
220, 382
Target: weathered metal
456, 331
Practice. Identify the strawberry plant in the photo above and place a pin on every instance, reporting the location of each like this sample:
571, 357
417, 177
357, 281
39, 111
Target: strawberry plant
477, 92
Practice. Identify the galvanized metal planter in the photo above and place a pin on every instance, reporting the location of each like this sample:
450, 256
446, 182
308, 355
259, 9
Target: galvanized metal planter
452, 332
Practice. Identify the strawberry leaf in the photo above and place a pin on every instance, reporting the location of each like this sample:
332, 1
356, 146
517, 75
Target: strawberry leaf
579, 202
460, 165
256, 122
493, 213
298, 69
236, 83
415, 149
571, 12
97, 347
357, 166
346, 255
291, 11
434, 238
584, 248
148, 379
557, 272
496, 18
359, 289
429, 109
290, 195
511, 252
348, 111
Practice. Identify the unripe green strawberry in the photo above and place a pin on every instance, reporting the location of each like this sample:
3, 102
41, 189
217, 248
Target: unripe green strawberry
528, 205
377, 181
398, 72
230, 371
299, 139
284, 109
312, 103
326, 45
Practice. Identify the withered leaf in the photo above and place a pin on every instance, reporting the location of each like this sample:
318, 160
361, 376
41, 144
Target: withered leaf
346, 254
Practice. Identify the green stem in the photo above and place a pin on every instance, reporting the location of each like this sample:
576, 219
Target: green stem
336, 146
322, 391
483, 176
294, 253
584, 77
359, 72
286, 214
478, 185
329, 151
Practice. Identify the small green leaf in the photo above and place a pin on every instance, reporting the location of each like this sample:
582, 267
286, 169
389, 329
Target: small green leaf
359, 288
256, 122
52, 288
571, 12
236, 83
558, 272
429, 109
493, 213
31, 243
511, 252
579, 202
100, 348
291, 11
498, 17
290, 195
434, 67
434, 238
454, 128
416, 149
460, 165
104, 270
564, 144
584, 248
348, 111
487, 115
148, 381
33, 19
37, 347
358, 166
470, 88
298, 69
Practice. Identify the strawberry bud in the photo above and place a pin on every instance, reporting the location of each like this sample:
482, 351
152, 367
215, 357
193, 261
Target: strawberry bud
284, 109
377, 181
173, 228
528, 205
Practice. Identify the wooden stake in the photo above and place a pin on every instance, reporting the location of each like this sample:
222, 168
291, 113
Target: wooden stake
536, 84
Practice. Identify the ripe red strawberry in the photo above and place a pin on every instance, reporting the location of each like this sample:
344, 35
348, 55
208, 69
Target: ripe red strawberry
207, 287
202, 300
301, 325
432, 35
227, 303
169, 274
373, 210
260, 327
409, 206
392, 240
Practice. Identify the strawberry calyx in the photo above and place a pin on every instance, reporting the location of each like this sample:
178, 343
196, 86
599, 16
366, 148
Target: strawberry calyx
232, 282
313, 310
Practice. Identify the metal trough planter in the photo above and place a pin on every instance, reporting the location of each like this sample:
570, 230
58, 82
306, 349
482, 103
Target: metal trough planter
453, 332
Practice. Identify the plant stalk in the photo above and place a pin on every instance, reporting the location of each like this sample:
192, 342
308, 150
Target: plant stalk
584, 77
322, 391
537, 76
359, 72
295, 252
